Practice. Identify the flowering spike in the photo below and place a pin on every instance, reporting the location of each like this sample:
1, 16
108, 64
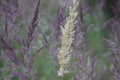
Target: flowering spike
67, 39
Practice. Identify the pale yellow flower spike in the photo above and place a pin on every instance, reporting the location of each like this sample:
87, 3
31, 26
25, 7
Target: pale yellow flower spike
67, 39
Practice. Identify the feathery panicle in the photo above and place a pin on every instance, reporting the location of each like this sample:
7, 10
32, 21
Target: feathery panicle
67, 39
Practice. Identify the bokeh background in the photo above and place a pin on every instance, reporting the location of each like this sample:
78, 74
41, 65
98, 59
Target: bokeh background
101, 19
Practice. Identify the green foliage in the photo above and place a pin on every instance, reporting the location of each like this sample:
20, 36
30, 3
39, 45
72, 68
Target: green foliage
15, 78
43, 64
1, 64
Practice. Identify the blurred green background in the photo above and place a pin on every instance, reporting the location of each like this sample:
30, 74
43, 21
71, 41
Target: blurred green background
95, 16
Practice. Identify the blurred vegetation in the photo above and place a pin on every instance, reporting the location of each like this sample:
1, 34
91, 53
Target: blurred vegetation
94, 19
